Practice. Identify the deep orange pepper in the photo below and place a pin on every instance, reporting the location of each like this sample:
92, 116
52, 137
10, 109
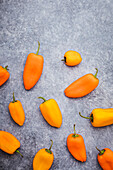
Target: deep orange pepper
4, 75
76, 146
33, 69
105, 158
82, 86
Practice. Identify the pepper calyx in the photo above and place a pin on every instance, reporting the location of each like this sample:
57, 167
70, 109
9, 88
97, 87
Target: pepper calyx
101, 152
64, 59
75, 135
49, 150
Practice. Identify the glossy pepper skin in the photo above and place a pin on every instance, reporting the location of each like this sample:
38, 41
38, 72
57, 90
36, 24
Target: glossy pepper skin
4, 75
82, 86
72, 58
100, 117
9, 143
16, 111
43, 159
105, 158
76, 146
33, 69
51, 112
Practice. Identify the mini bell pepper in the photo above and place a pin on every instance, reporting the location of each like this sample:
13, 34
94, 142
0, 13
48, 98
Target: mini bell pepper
100, 117
4, 75
43, 159
51, 112
72, 58
33, 69
9, 143
16, 111
82, 86
76, 146
105, 158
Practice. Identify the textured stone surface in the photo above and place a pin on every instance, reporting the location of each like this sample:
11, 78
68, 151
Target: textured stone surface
82, 25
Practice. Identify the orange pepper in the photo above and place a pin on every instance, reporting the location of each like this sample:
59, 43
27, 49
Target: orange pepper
9, 143
33, 69
72, 58
105, 158
43, 159
82, 86
76, 146
16, 111
4, 75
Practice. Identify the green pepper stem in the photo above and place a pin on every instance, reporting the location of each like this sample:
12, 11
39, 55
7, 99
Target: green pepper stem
101, 152
63, 60
6, 67
19, 153
98, 149
96, 73
14, 98
74, 130
38, 48
51, 145
42, 98
84, 116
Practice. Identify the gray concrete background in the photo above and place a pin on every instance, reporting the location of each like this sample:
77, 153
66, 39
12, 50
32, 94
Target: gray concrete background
81, 25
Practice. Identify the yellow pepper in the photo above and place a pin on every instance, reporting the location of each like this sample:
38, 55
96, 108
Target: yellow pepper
100, 117
51, 112
43, 159
72, 58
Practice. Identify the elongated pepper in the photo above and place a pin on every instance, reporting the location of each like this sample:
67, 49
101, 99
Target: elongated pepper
100, 117
82, 86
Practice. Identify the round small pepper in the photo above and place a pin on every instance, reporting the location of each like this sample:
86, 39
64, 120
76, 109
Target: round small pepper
72, 58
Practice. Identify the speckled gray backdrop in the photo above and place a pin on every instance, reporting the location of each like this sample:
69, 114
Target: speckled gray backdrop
82, 25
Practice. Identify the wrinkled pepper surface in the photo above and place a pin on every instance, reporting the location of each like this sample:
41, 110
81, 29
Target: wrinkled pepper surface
76, 146
82, 86
105, 158
9, 143
72, 58
51, 112
33, 69
43, 159
16, 111
4, 75
100, 117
